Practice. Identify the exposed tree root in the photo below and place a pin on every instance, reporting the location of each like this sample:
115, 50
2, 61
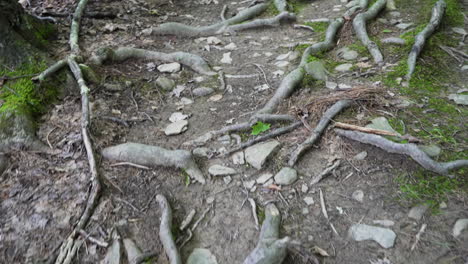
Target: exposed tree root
359, 24
270, 249
317, 132
193, 61
405, 149
436, 18
267, 22
165, 231
155, 156
281, 5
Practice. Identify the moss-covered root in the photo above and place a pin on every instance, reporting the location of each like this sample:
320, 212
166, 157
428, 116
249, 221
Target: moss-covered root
270, 249
405, 149
318, 130
436, 18
165, 231
359, 24
218, 28
155, 156
193, 61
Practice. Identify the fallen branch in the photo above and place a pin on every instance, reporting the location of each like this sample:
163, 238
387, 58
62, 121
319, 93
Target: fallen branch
193, 61
165, 231
369, 130
318, 130
405, 149
270, 249
436, 18
147, 155
359, 24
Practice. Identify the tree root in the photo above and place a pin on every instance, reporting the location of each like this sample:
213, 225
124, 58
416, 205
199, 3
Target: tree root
359, 24
123, 53
165, 231
155, 156
317, 132
267, 22
405, 149
270, 249
436, 18
281, 5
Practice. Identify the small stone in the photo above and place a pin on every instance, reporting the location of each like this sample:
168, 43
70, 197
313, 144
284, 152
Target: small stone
230, 46
461, 99
165, 83
360, 155
286, 176
443, 205
264, 178
358, 195
186, 101
227, 179
394, 40
226, 139
215, 97
317, 70
417, 212
202, 152
331, 85
459, 30
386, 223
344, 86
177, 116
257, 155
283, 56
213, 40
464, 68
210, 200
294, 55
249, 184
309, 200
218, 170
169, 67
278, 73
238, 158
459, 226
201, 256
383, 236
344, 67
226, 58
176, 128
282, 64
304, 188
404, 26
395, 14
262, 87
202, 91
268, 54
305, 211
347, 54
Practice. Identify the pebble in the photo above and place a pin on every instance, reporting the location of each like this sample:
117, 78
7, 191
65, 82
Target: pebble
227, 179
286, 176
264, 178
186, 101
464, 68
165, 83
202, 152
304, 188
283, 56
309, 200
249, 184
169, 67
213, 40
358, 195
305, 211
360, 155
257, 155
344, 67
417, 212
230, 46
226, 58
219, 170
461, 99
177, 116
176, 128
459, 226
202, 91
404, 26
344, 86
225, 140
331, 85
386, 223
238, 158
383, 236
282, 64
347, 54
215, 97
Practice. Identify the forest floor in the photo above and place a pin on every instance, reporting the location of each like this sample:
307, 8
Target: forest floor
42, 196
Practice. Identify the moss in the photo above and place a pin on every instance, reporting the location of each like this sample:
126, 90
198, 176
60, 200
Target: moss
271, 10
453, 14
37, 32
297, 5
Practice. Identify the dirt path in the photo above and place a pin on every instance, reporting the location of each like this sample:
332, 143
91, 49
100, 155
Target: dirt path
42, 196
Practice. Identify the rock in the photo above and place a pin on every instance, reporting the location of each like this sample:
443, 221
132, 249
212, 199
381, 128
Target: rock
215, 97
286, 176
459, 226
347, 54
294, 55
165, 83
309, 200
344, 67
344, 86
417, 212
185, 101
317, 70
169, 67
227, 179
283, 56
256, 155
278, 73
304, 188
386, 223
264, 178
201, 256
226, 58
360, 155
225, 140
404, 26
331, 85
202, 152
358, 195
238, 158
443, 205
393, 40
461, 99
395, 14
230, 46
305, 211
176, 128
464, 68
431, 150
131, 249
383, 236
177, 116
113, 253
282, 64
249, 184
202, 91
268, 54
382, 124
459, 30
213, 41
218, 170
261, 87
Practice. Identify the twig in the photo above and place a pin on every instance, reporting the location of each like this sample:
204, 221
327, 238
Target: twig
254, 212
130, 164
47, 138
190, 235
261, 70
117, 120
304, 27
187, 220
222, 87
376, 131
195, 225
325, 172
324, 212
223, 13
93, 240
418, 236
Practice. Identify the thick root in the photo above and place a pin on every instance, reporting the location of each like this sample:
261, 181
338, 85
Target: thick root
405, 149
165, 231
267, 22
318, 131
359, 24
270, 249
436, 18
193, 61
155, 156
281, 5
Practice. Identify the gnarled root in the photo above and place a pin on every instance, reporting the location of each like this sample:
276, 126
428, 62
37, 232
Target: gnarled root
193, 61
267, 22
359, 24
270, 249
155, 156
405, 149
436, 18
317, 132
165, 231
